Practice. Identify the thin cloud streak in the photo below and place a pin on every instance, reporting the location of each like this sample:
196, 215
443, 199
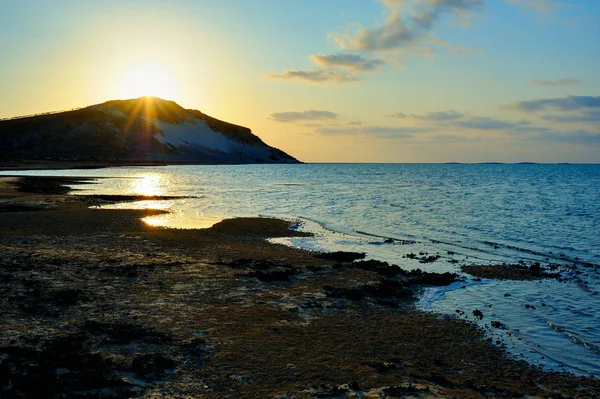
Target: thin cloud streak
569, 103
294, 116
434, 116
314, 76
399, 132
455, 119
583, 116
566, 81
580, 137
350, 62
486, 123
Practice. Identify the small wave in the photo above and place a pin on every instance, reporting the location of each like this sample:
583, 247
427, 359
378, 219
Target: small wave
295, 184
434, 294
392, 239
575, 338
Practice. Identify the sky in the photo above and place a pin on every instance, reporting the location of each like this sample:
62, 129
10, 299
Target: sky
404, 81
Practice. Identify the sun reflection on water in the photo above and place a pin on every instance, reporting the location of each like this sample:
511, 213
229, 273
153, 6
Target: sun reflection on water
149, 184
157, 220
177, 219
157, 184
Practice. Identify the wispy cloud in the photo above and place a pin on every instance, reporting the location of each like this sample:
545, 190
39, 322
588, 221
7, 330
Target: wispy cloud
351, 62
566, 81
294, 116
455, 119
569, 109
407, 30
569, 103
403, 29
314, 76
581, 137
581, 116
485, 123
435, 116
387, 132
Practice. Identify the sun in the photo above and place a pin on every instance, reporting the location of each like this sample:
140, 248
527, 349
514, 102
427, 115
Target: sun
147, 80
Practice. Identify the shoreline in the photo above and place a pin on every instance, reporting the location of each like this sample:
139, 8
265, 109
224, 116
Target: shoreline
19, 165
7, 166
108, 302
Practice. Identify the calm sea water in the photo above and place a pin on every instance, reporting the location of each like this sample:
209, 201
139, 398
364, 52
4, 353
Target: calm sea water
466, 214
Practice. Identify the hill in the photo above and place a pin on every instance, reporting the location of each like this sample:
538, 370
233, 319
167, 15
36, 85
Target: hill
146, 129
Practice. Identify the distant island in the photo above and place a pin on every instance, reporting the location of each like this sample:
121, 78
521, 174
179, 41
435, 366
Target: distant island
145, 130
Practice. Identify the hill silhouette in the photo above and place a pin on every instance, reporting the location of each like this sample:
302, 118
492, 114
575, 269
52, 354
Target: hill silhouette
144, 129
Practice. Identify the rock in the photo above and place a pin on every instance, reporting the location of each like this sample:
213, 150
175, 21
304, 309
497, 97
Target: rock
477, 313
429, 259
403, 391
384, 367
240, 263
151, 365
270, 276
497, 324
382, 268
418, 277
352, 294
67, 297
341, 256
384, 291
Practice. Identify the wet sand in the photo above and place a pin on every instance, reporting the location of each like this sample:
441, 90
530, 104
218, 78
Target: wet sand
95, 303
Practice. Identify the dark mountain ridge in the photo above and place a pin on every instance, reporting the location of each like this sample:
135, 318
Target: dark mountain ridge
145, 129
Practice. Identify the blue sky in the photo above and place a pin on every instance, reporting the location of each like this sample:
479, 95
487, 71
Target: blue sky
329, 80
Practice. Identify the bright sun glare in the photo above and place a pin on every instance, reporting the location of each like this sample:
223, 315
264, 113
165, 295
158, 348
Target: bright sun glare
148, 80
148, 184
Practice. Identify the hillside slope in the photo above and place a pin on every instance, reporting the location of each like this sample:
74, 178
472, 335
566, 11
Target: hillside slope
145, 129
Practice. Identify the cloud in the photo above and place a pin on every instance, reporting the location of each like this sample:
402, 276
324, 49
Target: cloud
314, 76
350, 62
583, 116
398, 132
566, 81
435, 116
454, 138
310, 115
485, 123
394, 3
541, 6
405, 29
581, 137
435, 120
570, 109
569, 103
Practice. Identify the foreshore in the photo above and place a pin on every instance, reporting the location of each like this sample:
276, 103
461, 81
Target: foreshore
39, 164
96, 303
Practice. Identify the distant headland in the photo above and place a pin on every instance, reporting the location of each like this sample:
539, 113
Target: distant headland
141, 131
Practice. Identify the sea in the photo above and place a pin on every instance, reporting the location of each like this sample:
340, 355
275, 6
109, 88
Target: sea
458, 214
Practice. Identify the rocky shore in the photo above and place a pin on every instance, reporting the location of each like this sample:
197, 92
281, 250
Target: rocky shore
95, 303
